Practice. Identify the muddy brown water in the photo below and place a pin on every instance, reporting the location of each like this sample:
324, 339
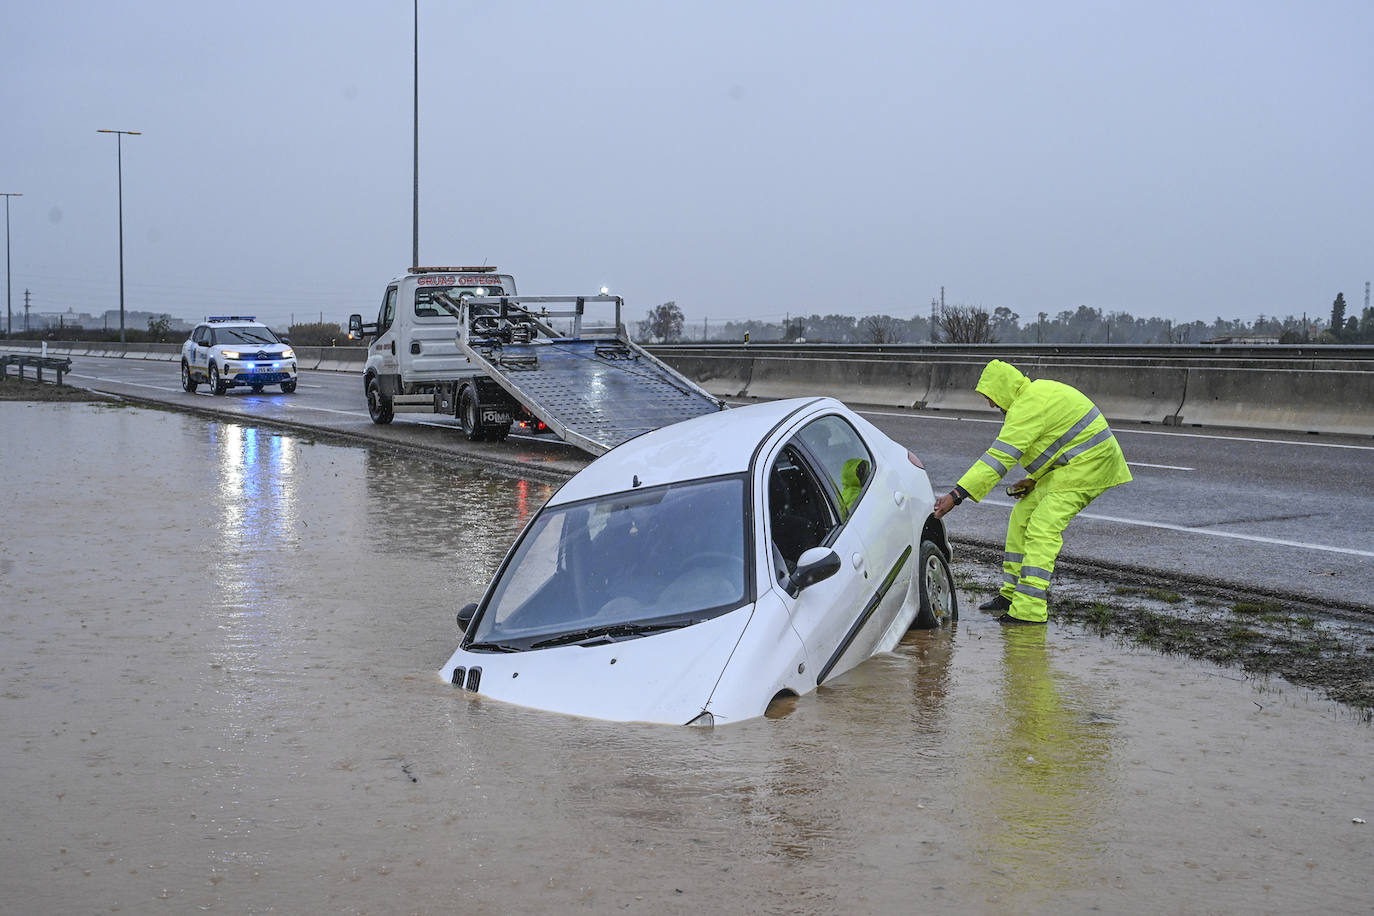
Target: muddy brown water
218, 689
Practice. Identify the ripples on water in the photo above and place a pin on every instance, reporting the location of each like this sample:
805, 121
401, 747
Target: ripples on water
219, 689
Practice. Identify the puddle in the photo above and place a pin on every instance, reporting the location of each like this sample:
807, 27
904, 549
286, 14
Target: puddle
218, 657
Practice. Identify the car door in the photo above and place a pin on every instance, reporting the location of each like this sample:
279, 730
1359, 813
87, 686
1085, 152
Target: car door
200, 350
869, 499
799, 515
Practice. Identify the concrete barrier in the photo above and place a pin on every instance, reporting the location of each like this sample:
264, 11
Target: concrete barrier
342, 359
952, 383
1316, 400
887, 382
724, 375
1135, 392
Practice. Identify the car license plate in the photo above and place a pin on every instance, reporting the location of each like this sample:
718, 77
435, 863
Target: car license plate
495, 417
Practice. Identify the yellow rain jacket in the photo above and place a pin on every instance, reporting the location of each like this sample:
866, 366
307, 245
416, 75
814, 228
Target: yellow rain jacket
1050, 427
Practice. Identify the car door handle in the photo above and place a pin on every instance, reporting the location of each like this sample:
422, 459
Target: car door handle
899, 498
857, 560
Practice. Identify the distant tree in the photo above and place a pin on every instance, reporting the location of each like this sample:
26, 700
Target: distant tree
965, 324
794, 329
159, 326
663, 324
315, 334
1004, 323
878, 329
1338, 314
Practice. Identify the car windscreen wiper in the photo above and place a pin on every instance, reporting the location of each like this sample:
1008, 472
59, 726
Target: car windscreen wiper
492, 647
610, 632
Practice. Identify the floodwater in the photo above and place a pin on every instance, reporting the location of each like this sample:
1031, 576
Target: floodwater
218, 689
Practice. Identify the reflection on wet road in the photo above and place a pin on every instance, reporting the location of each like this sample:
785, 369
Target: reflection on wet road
222, 695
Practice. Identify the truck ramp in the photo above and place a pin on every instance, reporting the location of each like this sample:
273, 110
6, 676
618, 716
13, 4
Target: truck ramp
596, 389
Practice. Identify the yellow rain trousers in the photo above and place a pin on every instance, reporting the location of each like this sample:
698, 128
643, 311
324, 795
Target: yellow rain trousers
1063, 442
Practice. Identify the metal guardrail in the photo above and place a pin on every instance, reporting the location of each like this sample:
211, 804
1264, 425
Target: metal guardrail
20, 360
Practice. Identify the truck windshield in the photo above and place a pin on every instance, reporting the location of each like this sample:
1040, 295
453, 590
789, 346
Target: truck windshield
672, 555
425, 306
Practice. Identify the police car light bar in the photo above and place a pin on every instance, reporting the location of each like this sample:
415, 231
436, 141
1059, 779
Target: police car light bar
451, 270
231, 318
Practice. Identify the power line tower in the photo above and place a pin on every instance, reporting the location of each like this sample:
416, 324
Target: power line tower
1366, 295
26, 308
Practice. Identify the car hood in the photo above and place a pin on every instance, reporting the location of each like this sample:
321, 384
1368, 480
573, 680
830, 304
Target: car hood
662, 678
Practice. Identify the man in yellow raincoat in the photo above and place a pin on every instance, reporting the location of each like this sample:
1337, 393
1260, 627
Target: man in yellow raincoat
1070, 457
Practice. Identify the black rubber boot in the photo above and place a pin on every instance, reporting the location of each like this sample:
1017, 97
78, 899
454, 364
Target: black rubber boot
1008, 620
999, 602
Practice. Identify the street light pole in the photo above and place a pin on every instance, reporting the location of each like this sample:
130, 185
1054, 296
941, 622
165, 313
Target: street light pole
9, 315
415, 200
119, 159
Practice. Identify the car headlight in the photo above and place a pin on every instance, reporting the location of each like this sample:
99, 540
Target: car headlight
229, 354
288, 354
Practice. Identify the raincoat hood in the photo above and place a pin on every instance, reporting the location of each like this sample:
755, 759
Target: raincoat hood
1002, 382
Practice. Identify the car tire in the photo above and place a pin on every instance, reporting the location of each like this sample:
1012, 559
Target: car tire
288, 387
217, 384
470, 414
939, 602
188, 381
379, 406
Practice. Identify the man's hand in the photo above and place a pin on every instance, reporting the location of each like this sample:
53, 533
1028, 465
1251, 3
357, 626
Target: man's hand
943, 504
1021, 488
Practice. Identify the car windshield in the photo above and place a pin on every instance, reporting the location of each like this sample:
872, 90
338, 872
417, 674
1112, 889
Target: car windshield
250, 336
622, 565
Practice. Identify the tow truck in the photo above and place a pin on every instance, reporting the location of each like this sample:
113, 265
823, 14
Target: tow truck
460, 341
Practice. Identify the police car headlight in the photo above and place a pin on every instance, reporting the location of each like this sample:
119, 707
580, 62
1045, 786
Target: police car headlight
288, 354
229, 354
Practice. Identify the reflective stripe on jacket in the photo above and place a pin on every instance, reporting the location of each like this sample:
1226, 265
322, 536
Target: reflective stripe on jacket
1050, 427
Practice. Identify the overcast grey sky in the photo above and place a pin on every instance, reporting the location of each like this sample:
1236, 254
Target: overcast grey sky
745, 159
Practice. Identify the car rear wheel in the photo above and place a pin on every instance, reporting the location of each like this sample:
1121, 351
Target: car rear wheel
188, 381
379, 406
288, 387
939, 603
216, 383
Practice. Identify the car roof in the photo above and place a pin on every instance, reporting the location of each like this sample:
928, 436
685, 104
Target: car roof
711, 445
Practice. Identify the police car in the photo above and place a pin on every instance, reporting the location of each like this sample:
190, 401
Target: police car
231, 350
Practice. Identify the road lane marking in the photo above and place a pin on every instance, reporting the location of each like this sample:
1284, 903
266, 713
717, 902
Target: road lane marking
1166, 467
916, 415
1165, 526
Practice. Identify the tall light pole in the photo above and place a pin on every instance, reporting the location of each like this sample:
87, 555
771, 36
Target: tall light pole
415, 216
9, 319
119, 159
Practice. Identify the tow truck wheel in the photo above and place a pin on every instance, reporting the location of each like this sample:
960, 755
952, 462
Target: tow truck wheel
470, 414
379, 406
188, 381
288, 387
216, 383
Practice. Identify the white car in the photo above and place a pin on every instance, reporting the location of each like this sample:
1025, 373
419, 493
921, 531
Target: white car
230, 350
698, 572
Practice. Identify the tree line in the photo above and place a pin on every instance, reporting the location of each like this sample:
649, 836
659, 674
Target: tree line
961, 324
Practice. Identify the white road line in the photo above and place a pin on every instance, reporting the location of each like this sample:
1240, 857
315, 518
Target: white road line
918, 415
1166, 467
1165, 526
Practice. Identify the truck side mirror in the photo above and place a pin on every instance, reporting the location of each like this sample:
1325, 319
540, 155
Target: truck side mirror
465, 616
355, 326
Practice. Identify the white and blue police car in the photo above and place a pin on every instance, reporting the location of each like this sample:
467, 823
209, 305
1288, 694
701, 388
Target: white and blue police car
226, 351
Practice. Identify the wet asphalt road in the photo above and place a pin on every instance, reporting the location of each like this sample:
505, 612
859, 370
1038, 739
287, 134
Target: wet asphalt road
1275, 513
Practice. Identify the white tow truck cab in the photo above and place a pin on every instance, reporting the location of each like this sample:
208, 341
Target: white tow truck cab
413, 360
460, 341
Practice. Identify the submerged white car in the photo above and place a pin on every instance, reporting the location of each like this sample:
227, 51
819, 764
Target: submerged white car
698, 572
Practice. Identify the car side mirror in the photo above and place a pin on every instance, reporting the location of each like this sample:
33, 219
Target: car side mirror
465, 614
816, 565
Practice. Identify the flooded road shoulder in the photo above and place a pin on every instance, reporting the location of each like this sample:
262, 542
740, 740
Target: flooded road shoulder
218, 657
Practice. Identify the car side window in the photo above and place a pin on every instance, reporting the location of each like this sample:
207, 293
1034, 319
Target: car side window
388, 312
199, 336
799, 515
209, 338
843, 458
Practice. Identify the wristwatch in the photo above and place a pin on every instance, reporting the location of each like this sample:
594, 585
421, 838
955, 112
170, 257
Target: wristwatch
956, 496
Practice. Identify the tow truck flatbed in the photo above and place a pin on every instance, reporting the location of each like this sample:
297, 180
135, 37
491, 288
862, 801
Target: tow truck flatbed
591, 385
